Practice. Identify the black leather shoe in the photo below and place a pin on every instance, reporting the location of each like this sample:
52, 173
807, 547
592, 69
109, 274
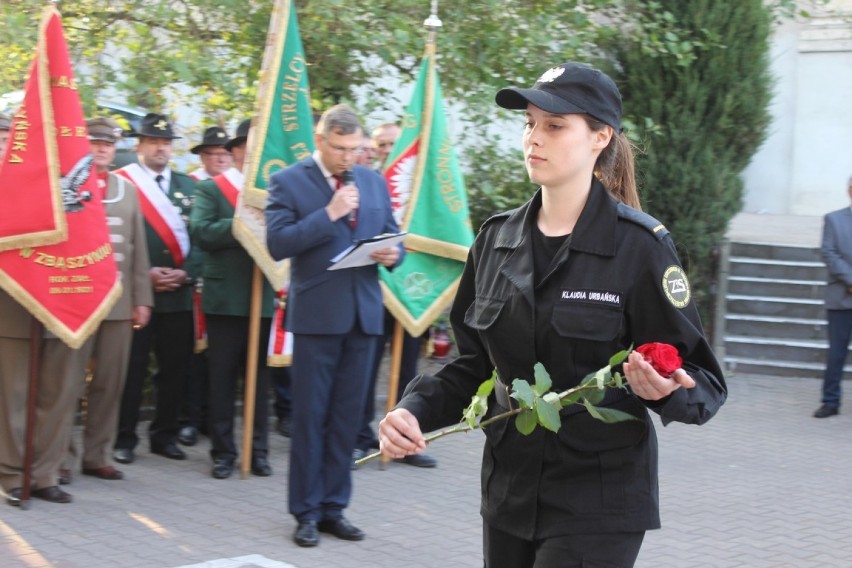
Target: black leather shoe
283, 426
53, 494
260, 467
123, 455
170, 451
341, 528
306, 534
418, 460
826, 410
222, 469
13, 497
188, 436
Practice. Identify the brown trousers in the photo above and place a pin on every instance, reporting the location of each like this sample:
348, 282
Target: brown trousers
57, 385
110, 354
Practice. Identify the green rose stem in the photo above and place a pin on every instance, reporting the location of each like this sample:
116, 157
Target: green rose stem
592, 382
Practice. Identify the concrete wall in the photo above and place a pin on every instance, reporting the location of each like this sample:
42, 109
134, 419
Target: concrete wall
803, 166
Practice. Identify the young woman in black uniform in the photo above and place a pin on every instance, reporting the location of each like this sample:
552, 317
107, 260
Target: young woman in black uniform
568, 279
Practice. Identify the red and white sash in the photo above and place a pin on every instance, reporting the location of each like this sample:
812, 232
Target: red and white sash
159, 212
199, 175
230, 183
279, 351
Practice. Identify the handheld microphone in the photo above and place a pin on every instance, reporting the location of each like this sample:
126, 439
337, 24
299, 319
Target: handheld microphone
346, 178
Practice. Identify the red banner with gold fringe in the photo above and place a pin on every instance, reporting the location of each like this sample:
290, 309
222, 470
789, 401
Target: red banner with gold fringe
58, 265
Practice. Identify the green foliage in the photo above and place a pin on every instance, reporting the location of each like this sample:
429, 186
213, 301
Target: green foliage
709, 111
479, 403
694, 76
495, 181
537, 405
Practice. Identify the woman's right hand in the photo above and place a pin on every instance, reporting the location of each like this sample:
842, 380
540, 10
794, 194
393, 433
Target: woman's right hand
400, 435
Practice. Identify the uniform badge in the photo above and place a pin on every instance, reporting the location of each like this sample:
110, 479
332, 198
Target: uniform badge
676, 286
551, 75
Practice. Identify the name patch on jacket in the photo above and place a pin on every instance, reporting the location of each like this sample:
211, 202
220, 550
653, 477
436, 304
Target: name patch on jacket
592, 297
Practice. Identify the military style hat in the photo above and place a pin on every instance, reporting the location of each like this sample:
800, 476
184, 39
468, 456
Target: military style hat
242, 135
213, 136
571, 88
103, 129
154, 126
5, 122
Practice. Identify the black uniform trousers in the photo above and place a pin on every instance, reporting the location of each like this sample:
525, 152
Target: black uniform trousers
227, 344
171, 336
598, 550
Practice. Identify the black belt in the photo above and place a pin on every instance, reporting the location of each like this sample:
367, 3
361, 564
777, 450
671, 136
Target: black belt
502, 393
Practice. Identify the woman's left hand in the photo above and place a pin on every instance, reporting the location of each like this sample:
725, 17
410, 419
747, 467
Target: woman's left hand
648, 384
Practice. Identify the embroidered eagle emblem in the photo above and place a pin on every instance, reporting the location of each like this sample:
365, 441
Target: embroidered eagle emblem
71, 183
551, 74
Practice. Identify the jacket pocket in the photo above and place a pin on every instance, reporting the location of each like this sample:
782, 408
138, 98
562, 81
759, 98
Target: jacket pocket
582, 321
311, 282
213, 271
584, 433
483, 313
611, 463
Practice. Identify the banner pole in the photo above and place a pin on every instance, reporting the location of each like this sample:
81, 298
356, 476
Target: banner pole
393, 379
250, 382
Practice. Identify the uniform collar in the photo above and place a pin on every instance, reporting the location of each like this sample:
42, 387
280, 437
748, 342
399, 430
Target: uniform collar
594, 232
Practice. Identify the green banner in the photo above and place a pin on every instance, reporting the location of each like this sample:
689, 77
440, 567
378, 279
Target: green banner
429, 200
282, 133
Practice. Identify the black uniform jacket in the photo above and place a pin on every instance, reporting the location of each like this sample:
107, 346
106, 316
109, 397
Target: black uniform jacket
615, 282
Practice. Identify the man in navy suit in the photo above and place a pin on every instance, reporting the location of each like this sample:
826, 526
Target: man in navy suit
837, 254
336, 316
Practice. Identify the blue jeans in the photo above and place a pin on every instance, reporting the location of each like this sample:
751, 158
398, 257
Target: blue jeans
839, 334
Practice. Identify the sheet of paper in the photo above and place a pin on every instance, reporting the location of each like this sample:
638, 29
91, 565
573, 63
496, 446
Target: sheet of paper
359, 253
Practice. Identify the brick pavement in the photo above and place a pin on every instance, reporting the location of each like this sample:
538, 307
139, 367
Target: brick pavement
761, 485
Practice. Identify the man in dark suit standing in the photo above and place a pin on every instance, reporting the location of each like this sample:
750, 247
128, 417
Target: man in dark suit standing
335, 315
837, 254
228, 271
165, 197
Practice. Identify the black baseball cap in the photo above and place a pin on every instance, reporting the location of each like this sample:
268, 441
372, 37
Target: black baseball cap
571, 88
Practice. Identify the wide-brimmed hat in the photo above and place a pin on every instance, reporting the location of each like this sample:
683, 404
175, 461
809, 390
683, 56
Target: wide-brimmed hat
154, 126
103, 129
213, 136
571, 88
5, 122
242, 135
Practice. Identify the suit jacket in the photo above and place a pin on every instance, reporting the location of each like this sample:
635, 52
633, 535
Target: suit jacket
226, 267
127, 232
837, 254
322, 301
181, 194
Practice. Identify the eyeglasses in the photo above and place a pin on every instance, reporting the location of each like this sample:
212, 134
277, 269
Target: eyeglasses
343, 151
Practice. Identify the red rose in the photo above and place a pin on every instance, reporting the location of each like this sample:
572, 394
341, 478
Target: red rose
662, 356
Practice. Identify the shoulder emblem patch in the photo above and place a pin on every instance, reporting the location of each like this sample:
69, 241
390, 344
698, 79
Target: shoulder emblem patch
676, 286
